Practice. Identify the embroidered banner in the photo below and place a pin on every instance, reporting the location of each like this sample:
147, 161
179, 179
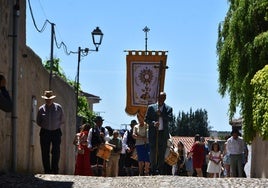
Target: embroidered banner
145, 79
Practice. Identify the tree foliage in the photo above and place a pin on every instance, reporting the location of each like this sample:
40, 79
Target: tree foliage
242, 49
83, 111
260, 102
56, 69
191, 123
82, 108
172, 126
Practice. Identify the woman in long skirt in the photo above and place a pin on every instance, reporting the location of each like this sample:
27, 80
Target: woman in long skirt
82, 166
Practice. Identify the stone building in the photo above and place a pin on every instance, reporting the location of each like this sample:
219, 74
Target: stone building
19, 134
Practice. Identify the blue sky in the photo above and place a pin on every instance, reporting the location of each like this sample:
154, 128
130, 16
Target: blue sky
186, 29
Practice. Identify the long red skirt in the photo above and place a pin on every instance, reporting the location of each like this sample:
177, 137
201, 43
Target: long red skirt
82, 166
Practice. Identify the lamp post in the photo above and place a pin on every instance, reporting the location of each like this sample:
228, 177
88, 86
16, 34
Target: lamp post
97, 36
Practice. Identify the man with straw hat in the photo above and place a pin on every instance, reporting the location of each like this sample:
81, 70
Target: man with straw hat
50, 118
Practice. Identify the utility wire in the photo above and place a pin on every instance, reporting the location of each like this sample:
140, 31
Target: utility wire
44, 25
61, 44
58, 45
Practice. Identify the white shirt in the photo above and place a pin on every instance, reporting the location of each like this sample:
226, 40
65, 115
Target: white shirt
235, 146
141, 131
106, 136
124, 143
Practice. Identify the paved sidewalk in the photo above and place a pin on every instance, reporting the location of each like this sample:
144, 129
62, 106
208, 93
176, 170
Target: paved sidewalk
69, 181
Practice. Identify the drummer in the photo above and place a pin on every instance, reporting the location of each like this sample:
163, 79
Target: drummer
97, 135
128, 144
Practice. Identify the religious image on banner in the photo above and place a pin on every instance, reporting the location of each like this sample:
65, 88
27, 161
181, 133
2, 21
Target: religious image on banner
145, 77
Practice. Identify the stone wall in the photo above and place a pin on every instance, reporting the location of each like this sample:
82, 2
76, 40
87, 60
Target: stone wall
33, 79
259, 159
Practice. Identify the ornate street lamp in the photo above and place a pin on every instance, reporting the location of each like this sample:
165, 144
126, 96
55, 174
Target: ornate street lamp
97, 36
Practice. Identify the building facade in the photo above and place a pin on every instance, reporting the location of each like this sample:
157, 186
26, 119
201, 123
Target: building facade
19, 134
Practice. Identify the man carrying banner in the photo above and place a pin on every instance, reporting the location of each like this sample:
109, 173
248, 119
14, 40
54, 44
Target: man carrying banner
158, 116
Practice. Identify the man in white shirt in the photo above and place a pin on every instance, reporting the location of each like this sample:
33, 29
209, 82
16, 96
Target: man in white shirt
235, 147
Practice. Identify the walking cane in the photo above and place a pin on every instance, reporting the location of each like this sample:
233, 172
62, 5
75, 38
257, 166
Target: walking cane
156, 141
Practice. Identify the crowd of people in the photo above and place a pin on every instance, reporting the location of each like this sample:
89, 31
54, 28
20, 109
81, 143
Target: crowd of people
138, 151
146, 149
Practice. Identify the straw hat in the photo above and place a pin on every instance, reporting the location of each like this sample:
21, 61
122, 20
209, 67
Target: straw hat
48, 95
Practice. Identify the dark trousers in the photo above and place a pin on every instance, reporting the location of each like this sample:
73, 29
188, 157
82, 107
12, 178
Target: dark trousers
130, 164
204, 169
167, 169
48, 138
97, 163
122, 171
157, 155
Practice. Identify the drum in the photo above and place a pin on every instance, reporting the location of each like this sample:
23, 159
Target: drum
104, 151
172, 157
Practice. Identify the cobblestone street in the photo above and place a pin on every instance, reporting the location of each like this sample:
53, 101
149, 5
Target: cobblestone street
69, 181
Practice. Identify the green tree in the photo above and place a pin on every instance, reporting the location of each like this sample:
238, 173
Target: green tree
83, 109
242, 49
172, 126
260, 102
84, 112
191, 123
56, 69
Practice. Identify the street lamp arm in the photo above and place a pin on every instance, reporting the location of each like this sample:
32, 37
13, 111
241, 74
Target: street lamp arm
97, 36
83, 52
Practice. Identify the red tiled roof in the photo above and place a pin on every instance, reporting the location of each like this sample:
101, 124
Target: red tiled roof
187, 141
